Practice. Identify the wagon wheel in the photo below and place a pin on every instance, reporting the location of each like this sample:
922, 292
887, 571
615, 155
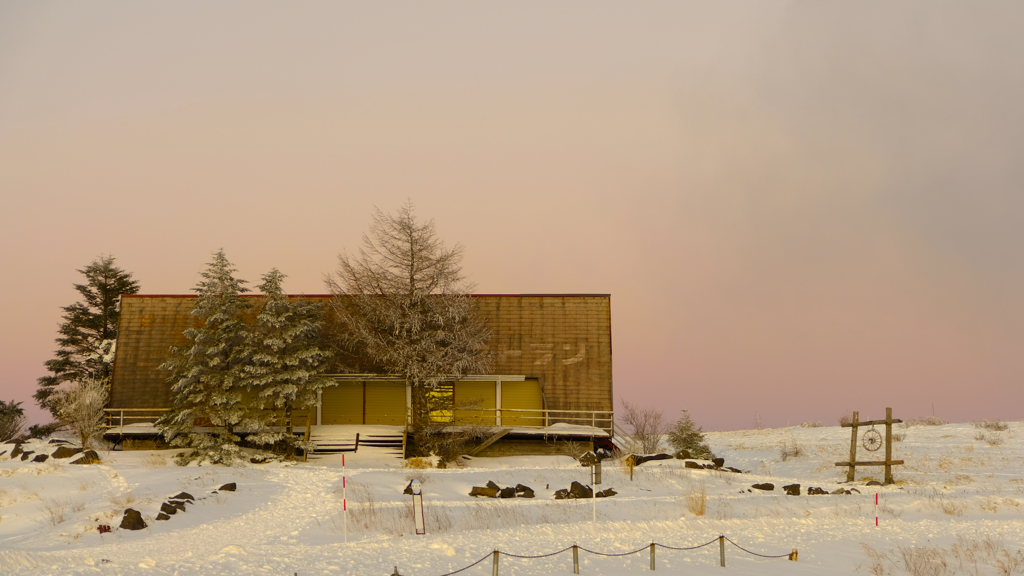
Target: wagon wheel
871, 440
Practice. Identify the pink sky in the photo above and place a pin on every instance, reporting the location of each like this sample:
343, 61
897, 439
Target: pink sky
798, 208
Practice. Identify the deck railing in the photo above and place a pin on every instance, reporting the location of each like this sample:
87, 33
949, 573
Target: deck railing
514, 417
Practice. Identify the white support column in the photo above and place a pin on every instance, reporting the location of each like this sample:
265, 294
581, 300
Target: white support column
497, 401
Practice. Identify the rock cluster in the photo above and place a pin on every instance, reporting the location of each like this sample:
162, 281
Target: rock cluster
492, 490
577, 490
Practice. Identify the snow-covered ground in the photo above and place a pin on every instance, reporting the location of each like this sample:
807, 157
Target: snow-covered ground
956, 509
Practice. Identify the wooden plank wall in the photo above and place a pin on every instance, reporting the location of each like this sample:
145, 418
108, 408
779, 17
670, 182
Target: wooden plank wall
562, 340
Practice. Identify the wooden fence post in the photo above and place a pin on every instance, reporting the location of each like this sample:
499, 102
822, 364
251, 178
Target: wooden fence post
853, 447
575, 559
652, 555
495, 573
888, 446
721, 549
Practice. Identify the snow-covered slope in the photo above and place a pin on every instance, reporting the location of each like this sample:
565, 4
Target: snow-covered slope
956, 509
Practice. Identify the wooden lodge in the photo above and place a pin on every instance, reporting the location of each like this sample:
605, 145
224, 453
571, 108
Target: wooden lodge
551, 381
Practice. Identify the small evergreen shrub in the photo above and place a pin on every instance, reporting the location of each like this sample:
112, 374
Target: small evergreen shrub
686, 435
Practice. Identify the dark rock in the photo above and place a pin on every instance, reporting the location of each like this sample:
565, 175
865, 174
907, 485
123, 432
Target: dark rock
183, 496
873, 483
88, 457
132, 520
229, 487
840, 491
561, 494
168, 509
177, 504
792, 490
520, 488
508, 492
636, 459
607, 492
731, 469
3, 452
486, 492
66, 452
718, 462
768, 486
525, 493
589, 459
162, 516
813, 491
692, 464
491, 484
682, 455
25, 455
41, 458
16, 451
259, 460
577, 490
853, 490
408, 489
58, 441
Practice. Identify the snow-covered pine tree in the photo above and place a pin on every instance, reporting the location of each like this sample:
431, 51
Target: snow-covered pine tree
286, 363
89, 330
206, 379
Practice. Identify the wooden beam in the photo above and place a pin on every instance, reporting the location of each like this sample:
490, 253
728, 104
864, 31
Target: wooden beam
873, 422
874, 463
498, 436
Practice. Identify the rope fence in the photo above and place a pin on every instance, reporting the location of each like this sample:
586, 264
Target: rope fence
576, 549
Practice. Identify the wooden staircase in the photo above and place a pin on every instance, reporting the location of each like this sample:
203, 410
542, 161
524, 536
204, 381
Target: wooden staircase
332, 440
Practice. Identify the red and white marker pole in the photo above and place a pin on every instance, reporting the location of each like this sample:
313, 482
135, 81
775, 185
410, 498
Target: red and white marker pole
344, 499
876, 509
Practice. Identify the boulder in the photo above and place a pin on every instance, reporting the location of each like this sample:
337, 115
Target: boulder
607, 492
682, 455
88, 457
636, 459
16, 451
183, 496
484, 491
491, 484
792, 490
132, 520
718, 462
65, 452
58, 441
767, 486
873, 483
41, 458
561, 494
577, 490
26, 454
162, 516
692, 464
840, 491
180, 505
814, 491
731, 469
229, 487
508, 492
524, 491
854, 490
589, 459
168, 509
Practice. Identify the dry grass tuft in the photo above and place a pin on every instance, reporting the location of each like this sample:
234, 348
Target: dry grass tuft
417, 463
790, 449
817, 424
123, 500
994, 440
971, 557
697, 498
924, 421
993, 425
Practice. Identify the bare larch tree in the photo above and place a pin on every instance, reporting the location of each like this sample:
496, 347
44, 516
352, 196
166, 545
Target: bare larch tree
403, 308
